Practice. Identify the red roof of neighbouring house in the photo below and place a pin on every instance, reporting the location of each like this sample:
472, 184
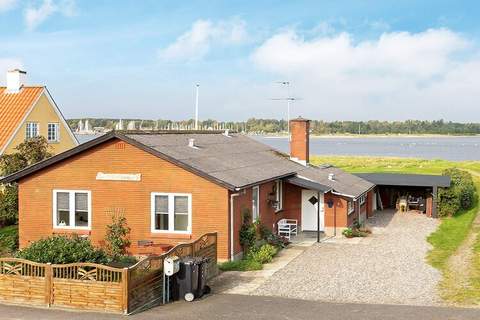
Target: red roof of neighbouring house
14, 107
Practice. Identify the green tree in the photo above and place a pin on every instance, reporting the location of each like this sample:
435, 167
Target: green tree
26, 154
117, 236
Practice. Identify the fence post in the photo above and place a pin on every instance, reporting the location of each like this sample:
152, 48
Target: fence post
48, 284
125, 280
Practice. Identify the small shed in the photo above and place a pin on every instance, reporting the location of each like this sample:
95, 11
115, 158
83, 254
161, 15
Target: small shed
419, 190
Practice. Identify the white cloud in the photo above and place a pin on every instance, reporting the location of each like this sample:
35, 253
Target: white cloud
398, 75
34, 16
197, 42
6, 5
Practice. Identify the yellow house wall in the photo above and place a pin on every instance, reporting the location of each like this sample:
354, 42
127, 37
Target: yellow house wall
44, 113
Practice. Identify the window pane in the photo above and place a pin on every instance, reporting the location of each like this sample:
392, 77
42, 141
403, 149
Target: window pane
161, 221
181, 222
81, 219
181, 204
81, 201
161, 204
63, 201
63, 218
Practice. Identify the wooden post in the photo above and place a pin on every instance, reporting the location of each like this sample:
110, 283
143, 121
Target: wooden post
125, 280
48, 284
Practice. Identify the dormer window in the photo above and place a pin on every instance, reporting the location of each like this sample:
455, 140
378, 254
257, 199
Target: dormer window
31, 130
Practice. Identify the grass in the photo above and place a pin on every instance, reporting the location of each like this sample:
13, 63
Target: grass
241, 265
451, 233
8, 240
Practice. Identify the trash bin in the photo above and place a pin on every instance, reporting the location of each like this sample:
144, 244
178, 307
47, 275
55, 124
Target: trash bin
189, 282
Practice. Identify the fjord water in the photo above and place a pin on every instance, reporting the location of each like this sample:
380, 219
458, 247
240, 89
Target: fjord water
429, 147
453, 148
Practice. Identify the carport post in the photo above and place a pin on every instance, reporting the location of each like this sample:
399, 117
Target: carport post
318, 216
434, 201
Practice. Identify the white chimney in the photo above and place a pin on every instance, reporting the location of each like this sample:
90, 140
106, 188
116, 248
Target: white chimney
15, 80
331, 176
191, 143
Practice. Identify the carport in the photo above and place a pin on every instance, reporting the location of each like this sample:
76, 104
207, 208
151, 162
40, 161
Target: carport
418, 190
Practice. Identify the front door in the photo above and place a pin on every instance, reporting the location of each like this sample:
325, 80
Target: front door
309, 210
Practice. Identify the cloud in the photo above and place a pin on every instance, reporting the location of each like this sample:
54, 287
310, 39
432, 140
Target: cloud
6, 5
197, 42
412, 75
35, 16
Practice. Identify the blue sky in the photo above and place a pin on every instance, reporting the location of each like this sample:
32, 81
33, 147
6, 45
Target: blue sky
346, 60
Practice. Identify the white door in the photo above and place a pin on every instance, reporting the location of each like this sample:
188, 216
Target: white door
309, 211
255, 203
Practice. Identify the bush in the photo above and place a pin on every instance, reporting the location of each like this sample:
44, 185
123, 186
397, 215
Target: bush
353, 233
8, 240
240, 265
460, 195
117, 236
63, 249
264, 254
348, 232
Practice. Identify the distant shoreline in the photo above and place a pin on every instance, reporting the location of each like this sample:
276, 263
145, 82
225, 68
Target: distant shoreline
356, 136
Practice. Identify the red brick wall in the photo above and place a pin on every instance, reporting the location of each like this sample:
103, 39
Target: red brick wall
300, 139
209, 200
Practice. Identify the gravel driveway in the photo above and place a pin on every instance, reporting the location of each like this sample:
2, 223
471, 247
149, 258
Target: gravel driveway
387, 267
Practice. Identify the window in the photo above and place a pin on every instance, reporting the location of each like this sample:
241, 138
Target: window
31, 130
53, 133
350, 207
279, 194
72, 209
171, 212
361, 199
255, 203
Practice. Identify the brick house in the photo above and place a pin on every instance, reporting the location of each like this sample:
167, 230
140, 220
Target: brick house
175, 186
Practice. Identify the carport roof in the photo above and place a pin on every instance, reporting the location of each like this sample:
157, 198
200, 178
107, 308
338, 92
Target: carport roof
400, 179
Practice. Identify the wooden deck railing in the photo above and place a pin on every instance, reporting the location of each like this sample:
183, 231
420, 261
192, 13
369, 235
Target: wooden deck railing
90, 286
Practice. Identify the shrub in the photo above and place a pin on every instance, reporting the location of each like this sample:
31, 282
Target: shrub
117, 236
264, 254
63, 249
8, 240
348, 232
354, 232
460, 195
248, 231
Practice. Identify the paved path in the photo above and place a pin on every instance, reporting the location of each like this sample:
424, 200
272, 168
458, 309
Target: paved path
235, 307
388, 267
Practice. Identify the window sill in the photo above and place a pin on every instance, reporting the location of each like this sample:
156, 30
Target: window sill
71, 231
166, 235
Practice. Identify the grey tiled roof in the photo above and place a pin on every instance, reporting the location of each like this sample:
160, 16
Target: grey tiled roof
399, 179
240, 161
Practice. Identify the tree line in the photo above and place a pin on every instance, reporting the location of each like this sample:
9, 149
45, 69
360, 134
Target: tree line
272, 126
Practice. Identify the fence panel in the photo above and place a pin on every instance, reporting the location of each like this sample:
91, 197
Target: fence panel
22, 281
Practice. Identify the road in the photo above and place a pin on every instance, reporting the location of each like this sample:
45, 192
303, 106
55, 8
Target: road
232, 307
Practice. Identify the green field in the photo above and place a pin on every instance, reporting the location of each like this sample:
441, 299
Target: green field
456, 243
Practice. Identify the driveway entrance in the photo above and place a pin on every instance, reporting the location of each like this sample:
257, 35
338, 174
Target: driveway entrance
387, 267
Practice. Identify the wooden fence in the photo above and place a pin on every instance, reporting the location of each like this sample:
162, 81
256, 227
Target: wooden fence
89, 286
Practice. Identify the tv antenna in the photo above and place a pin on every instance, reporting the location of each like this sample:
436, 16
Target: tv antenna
197, 89
289, 100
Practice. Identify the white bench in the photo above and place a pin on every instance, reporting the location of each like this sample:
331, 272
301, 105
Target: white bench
287, 228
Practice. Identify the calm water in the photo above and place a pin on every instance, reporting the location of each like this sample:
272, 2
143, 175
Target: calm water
448, 148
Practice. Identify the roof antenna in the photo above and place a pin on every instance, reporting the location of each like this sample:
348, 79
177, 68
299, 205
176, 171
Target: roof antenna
196, 105
289, 100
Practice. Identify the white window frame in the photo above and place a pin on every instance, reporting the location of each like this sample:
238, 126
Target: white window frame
171, 212
351, 210
256, 206
72, 209
279, 195
29, 131
362, 199
57, 131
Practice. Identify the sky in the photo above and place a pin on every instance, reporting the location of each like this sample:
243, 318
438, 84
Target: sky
344, 60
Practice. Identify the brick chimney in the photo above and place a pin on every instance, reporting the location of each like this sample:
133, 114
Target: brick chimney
300, 140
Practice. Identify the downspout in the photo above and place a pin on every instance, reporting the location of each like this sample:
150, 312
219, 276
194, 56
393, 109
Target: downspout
232, 196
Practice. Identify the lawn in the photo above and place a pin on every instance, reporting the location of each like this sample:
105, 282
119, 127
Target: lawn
458, 286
